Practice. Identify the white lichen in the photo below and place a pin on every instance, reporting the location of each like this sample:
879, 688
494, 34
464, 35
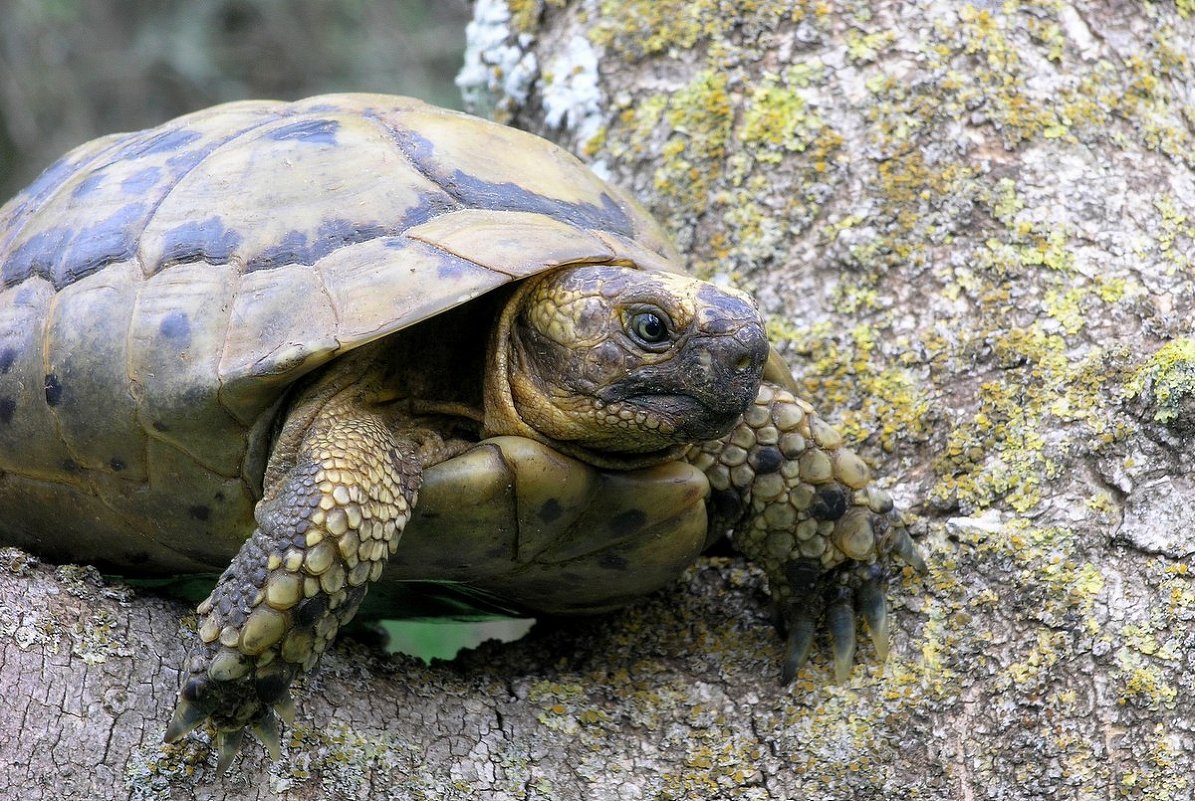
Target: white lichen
570, 91
499, 67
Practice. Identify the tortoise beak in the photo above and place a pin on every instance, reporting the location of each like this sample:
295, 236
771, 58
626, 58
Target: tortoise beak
724, 371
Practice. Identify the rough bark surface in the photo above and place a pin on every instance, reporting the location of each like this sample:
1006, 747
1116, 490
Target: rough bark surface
970, 226
676, 697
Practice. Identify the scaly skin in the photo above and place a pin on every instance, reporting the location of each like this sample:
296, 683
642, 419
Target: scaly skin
801, 506
334, 514
346, 468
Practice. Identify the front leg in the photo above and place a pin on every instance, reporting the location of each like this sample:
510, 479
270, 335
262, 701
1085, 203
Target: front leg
802, 506
329, 520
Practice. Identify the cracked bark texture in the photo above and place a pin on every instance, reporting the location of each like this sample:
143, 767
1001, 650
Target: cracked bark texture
970, 228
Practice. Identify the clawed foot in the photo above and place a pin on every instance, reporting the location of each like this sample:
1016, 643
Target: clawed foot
802, 506
839, 596
251, 702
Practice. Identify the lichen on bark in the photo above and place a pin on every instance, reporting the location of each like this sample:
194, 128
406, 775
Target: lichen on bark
969, 227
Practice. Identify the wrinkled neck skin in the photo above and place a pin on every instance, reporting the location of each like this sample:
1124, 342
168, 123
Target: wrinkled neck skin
502, 415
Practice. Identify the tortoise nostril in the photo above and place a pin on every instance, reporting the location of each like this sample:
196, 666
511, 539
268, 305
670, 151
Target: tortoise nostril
744, 362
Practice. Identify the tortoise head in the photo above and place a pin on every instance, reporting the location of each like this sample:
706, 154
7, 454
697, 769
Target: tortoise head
623, 367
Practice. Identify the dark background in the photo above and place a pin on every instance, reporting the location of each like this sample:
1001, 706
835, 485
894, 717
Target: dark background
72, 70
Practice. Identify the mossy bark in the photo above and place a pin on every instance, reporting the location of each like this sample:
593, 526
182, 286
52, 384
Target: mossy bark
971, 229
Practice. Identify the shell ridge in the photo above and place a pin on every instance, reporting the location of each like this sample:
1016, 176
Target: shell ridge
137, 388
220, 382
175, 446
29, 207
275, 112
394, 137
441, 249
47, 373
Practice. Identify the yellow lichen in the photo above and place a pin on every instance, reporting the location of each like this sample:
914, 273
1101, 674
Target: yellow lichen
1169, 378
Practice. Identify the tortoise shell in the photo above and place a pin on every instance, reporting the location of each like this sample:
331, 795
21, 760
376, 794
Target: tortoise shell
163, 289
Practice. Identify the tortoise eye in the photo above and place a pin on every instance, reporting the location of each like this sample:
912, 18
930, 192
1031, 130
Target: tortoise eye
648, 327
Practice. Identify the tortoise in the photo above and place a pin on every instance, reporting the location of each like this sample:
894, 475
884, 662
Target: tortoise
286, 334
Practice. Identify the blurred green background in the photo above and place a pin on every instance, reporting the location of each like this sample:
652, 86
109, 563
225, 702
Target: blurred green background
71, 70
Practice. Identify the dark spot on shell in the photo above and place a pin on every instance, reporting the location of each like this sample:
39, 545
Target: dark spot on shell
70, 465
53, 390
430, 206
766, 459
116, 463
627, 522
316, 132
331, 235
106, 242
550, 510
507, 196
87, 185
176, 327
207, 240
51, 179
186, 161
199, 512
36, 255
8, 406
7, 357
159, 142
141, 181
829, 503
160, 426
613, 561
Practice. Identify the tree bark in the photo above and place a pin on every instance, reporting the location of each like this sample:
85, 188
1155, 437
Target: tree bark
970, 228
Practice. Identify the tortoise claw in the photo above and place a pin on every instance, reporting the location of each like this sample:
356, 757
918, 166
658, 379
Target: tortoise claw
873, 605
797, 646
265, 729
285, 707
833, 598
228, 742
186, 718
840, 620
906, 550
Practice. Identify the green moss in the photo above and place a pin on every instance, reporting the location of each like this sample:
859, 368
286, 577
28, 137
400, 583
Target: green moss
635, 29
1176, 232
942, 205
1162, 775
1168, 377
778, 118
525, 14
